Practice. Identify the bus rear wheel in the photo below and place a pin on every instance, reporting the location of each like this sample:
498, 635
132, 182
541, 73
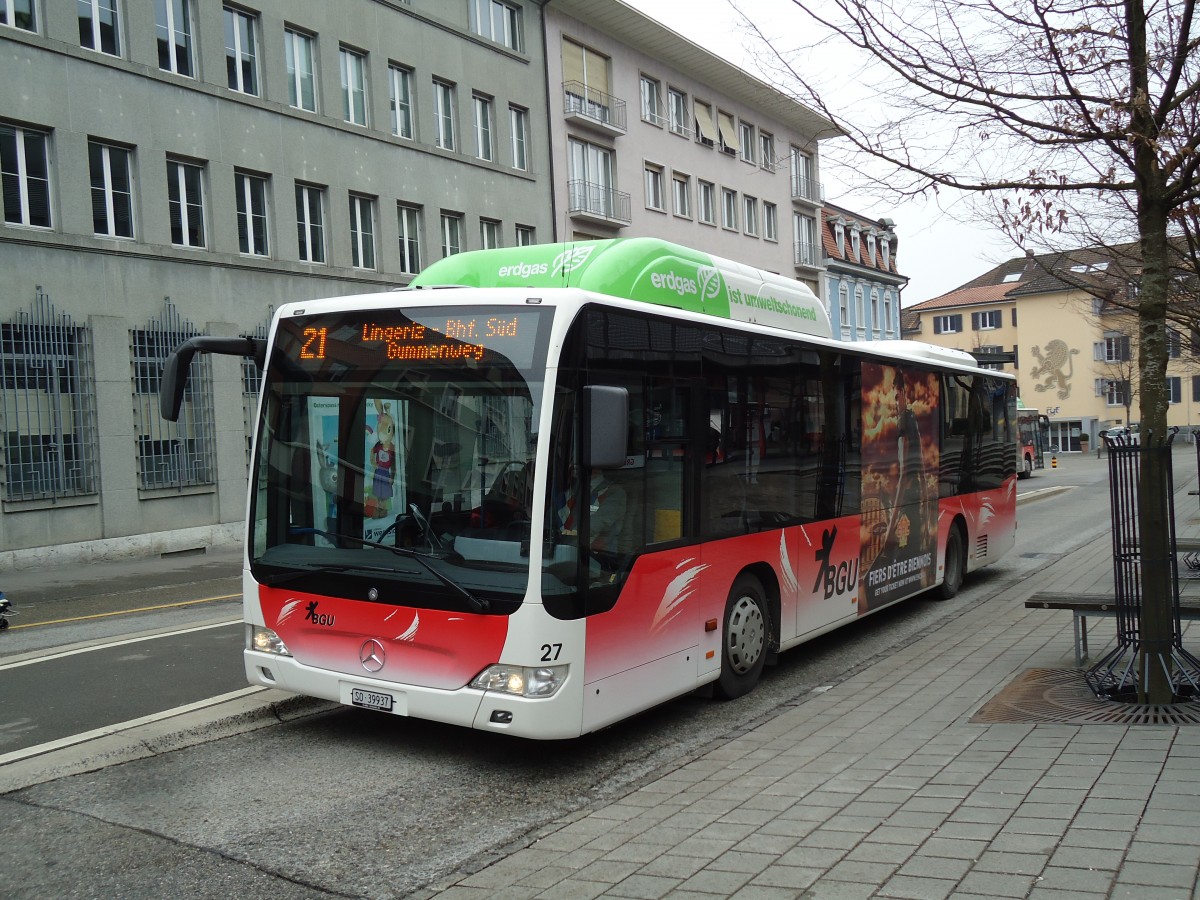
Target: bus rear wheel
956, 564
744, 638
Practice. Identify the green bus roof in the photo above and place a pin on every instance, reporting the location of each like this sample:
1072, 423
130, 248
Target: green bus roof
644, 269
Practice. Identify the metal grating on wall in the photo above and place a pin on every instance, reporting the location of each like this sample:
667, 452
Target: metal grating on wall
251, 386
171, 454
47, 406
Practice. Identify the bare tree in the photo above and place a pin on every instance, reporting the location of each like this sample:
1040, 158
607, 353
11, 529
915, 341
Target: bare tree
1063, 111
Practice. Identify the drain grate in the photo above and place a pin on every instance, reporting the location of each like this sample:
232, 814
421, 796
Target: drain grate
1063, 696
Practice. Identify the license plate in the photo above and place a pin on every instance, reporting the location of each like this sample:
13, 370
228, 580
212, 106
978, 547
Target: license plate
371, 700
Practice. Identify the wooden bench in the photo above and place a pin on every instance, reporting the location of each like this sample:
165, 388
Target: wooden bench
1085, 606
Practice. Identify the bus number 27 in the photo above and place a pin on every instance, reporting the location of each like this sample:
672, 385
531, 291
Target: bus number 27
551, 652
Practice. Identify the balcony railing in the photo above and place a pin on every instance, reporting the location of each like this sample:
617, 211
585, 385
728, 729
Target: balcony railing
806, 253
587, 199
594, 107
807, 189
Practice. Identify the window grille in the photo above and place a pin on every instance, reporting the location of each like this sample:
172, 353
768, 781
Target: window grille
171, 454
47, 406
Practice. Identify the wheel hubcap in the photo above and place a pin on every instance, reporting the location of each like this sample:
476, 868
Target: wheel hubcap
746, 636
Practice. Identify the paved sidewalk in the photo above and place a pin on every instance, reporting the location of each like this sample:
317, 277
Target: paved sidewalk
881, 787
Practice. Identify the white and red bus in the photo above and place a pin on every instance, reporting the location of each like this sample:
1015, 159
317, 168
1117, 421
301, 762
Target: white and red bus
1033, 429
590, 478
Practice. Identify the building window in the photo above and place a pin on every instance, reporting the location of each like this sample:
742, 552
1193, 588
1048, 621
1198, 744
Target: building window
354, 86
482, 107
860, 312
112, 190
591, 180
654, 187
844, 308
806, 239
409, 221
185, 201
586, 84
498, 21
173, 26
25, 170
855, 245
766, 151
746, 135
871, 247
518, 120
750, 215
302, 81
310, 223
451, 234
98, 25
803, 184
241, 51
706, 202
362, 232
677, 109
839, 237
727, 133
888, 325
443, 114
526, 235
729, 209
18, 14
951, 324
1174, 389
489, 234
652, 101
400, 99
681, 195
876, 314
1113, 391
706, 128
990, 349
1116, 348
987, 320
884, 249
251, 193
770, 221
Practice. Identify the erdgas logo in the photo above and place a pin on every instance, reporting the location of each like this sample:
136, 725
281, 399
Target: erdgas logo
679, 284
570, 260
710, 282
522, 270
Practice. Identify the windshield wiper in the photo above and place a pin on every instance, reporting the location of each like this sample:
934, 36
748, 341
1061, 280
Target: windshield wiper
479, 604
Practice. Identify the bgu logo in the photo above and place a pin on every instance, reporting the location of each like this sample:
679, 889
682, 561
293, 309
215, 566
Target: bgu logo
836, 578
311, 615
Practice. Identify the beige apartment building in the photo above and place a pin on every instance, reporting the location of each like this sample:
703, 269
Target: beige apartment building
1064, 319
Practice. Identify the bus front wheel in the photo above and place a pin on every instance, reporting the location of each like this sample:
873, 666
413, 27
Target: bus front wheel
956, 564
744, 639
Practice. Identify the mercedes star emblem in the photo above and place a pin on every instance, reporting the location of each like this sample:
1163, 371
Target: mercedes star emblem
372, 655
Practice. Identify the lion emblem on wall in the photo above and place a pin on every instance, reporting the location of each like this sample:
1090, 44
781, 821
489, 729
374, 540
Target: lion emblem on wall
1055, 368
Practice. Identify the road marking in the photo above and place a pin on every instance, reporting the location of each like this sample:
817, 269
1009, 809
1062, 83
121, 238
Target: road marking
145, 637
109, 730
125, 612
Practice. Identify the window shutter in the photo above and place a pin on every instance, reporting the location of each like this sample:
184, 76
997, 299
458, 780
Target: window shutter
704, 122
1098, 351
728, 132
1195, 387
975, 321
1099, 387
1125, 355
1014, 317
572, 61
937, 324
956, 321
1016, 359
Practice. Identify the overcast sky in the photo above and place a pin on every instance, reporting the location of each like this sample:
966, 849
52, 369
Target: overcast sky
938, 250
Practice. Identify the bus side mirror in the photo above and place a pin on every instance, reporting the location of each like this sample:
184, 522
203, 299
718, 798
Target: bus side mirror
606, 426
178, 365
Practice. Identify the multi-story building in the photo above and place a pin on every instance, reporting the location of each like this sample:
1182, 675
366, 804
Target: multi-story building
654, 135
173, 167
1069, 322
863, 284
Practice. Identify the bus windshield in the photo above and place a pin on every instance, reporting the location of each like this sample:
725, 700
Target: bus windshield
395, 457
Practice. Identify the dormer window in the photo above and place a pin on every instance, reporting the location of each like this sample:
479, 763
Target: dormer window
871, 247
885, 251
839, 233
855, 243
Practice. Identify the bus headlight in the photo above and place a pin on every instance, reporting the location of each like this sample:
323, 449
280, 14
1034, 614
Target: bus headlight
267, 641
523, 681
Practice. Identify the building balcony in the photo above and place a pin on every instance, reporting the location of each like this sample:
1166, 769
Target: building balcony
593, 109
594, 202
806, 254
807, 189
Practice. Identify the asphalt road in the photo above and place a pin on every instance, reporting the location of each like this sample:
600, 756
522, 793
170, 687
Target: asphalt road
351, 803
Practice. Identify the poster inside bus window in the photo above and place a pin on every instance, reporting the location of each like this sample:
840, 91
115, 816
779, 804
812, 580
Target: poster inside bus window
384, 486
323, 444
900, 459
